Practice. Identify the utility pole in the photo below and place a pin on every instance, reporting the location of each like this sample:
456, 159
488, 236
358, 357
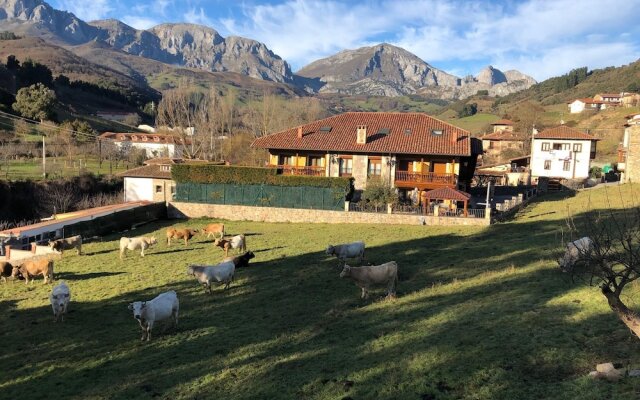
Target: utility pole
44, 159
99, 154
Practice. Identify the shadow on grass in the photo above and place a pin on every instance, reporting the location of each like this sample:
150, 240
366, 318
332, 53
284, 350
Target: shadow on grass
471, 322
90, 275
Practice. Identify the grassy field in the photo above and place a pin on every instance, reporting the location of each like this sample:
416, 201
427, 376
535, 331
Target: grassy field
475, 124
57, 168
482, 313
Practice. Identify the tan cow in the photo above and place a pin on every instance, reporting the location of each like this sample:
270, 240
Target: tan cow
184, 233
141, 243
32, 268
214, 229
237, 242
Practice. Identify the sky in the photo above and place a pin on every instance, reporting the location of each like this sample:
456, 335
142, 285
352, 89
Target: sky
542, 38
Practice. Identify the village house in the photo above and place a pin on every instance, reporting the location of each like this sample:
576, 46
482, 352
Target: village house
152, 181
154, 144
587, 104
407, 150
609, 98
629, 150
562, 153
502, 138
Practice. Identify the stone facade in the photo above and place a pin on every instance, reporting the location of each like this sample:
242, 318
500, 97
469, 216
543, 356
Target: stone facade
295, 215
632, 165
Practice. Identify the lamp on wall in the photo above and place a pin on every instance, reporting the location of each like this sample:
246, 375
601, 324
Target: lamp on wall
334, 158
391, 161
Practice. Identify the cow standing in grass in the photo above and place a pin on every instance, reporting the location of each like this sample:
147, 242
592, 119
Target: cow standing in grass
59, 299
574, 251
370, 275
73, 242
348, 250
237, 242
141, 243
214, 229
207, 274
33, 268
184, 233
162, 307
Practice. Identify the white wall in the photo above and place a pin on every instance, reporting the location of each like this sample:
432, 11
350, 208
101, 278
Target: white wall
136, 189
576, 107
579, 162
160, 149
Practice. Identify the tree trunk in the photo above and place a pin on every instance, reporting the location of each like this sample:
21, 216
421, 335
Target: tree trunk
627, 316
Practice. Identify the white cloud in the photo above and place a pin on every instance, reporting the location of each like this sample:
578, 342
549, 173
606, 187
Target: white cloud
87, 10
197, 16
139, 22
509, 35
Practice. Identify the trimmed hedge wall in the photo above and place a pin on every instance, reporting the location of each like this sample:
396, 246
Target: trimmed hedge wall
185, 173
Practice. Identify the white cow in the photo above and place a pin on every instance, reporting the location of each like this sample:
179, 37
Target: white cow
574, 251
59, 298
347, 250
141, 243
147, 313
207, 274
369, 275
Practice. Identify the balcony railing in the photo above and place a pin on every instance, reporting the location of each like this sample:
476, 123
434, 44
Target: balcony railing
428, 177
294, 170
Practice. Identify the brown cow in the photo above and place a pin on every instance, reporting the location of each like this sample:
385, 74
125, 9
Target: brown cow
33, 268
214, 229
184, 233
5, 270
237, 242
73, 242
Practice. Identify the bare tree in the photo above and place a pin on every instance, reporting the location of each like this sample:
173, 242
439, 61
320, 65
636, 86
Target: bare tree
613, 261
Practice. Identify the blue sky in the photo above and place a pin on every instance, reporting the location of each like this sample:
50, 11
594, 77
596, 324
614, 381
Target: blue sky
542, 38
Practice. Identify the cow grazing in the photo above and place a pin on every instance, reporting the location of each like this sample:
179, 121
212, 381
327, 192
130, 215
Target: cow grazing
208, 274
370, 275
141, 243
574, 251
5, 270
237, 242
147, 313
241, 261
33, 268
183, 233
348, 250
59, 298
214, 229
73, 242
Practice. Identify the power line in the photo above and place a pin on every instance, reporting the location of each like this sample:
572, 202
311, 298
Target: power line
47, 126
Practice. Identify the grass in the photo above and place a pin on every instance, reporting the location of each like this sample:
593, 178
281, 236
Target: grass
56, 168
482, 313
475, 124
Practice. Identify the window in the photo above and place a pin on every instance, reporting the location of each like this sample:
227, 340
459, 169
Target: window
577, 147
316, 161
562, 146
173, 189
346, 166
566, 166
546, 146
491, 144
547, 164
286, 160
158, 188
375, 167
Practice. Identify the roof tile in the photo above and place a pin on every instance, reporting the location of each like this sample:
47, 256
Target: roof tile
564, 132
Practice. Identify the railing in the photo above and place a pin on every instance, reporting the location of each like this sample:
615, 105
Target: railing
429, 177
294, 170
417, 210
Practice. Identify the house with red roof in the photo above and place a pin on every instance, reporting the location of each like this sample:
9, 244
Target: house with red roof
502, 138
587, 104
154, 144
408, 150
562, 153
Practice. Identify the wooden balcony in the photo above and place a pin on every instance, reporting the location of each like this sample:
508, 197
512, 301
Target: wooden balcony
428, 180
293, 170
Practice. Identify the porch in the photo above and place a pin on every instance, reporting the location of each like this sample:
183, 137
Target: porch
425, 180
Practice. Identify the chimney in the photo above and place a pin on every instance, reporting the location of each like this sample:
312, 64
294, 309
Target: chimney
534, 131
454, 136
361, 134
299, 132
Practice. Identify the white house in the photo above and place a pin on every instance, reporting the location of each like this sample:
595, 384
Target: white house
579, 105
152, 181
155, 144
562, 153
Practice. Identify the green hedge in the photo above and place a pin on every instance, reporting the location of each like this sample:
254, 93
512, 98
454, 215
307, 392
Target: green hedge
185, 173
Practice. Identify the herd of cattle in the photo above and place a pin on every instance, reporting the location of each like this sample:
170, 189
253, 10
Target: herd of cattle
166, 305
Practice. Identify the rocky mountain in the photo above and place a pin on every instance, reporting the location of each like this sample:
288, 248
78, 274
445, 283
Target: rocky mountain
387, 70
185, 45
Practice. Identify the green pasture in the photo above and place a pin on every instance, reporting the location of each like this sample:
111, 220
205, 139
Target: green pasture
481, 313
59, 167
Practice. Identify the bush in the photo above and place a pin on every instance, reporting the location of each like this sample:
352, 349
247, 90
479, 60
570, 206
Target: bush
211, 173
595, 172
378, 193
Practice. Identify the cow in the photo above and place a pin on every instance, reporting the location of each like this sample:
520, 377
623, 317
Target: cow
73, 242
574, 251
214, 229
370, 275
5, 270
59, 298
347, 250
34, 267
162, 307
207, 274
184, 233
141, 243
241, 261
237, 242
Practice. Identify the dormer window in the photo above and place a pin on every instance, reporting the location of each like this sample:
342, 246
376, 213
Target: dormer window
134, 138
156, 139
436, 132
145, 138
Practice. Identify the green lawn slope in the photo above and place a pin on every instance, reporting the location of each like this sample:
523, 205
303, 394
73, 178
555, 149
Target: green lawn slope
482, 313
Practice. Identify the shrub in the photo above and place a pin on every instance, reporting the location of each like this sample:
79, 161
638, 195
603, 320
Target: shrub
378, 193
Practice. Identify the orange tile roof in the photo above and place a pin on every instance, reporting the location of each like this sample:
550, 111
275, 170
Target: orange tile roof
140, 137
503, 122
587, 100
147, 171
409, 133
564, 132
504, 135
447, 193
609, 94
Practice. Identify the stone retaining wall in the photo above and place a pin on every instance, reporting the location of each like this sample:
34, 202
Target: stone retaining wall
272, 214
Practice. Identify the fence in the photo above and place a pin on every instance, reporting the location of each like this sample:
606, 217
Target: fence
417, 210
261, 195
118, 221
